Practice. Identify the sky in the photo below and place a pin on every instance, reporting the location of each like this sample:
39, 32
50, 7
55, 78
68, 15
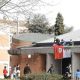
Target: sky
68, 8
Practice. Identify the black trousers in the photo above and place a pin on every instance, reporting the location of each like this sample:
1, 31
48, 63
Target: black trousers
5, 76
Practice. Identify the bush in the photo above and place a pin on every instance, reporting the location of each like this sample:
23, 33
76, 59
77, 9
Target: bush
43, 76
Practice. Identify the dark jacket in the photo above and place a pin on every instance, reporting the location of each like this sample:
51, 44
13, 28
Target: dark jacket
27, 70
51, 70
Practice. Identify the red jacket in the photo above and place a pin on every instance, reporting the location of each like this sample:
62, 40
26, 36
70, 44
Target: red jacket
5, 72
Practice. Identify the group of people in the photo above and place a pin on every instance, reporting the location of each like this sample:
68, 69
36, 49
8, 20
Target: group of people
63, 42
27, 69
67, 73
15, 71
68, 70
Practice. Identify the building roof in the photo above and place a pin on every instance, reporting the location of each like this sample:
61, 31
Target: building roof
32, 37
74, 35
40, 50
42, 39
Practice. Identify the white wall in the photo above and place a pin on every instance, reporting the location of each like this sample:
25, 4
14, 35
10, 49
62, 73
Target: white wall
75, 63
2, 64
57, 63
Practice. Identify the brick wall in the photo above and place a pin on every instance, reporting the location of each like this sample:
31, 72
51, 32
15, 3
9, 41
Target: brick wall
18, 43
37, 61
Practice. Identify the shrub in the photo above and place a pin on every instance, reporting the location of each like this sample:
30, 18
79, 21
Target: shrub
43, 76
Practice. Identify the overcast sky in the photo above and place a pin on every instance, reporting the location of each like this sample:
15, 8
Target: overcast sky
68, 8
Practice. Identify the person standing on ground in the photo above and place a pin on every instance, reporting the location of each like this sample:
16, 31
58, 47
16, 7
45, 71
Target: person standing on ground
14, 72
51, 69
18, 71
5, 72
77, 74
27, 69
17, 67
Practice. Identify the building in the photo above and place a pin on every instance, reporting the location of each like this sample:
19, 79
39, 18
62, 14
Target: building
42, 53
4, 47
20, 57
7, 29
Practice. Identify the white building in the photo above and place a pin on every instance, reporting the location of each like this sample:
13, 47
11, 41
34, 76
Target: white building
4, 47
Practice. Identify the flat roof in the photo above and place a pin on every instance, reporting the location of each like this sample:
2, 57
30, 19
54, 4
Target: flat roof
41, 50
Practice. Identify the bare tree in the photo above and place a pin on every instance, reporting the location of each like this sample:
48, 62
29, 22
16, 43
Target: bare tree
14, 10
3, 3
22, 7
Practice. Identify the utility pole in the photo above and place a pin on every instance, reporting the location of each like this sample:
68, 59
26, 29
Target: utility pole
17, 21
17, 26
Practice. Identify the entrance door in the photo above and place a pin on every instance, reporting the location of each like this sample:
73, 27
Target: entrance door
65, 63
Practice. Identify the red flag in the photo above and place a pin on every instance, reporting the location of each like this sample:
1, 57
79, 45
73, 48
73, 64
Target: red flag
58, 51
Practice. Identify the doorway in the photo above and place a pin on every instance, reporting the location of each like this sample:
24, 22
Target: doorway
65, 63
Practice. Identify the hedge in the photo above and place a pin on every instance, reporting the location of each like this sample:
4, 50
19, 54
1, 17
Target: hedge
42, 76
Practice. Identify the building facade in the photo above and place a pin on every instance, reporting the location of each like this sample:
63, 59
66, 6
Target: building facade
4, 47
42, 55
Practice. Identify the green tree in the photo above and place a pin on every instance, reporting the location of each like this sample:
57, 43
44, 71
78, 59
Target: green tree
38, 24
59, 26
67, 29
